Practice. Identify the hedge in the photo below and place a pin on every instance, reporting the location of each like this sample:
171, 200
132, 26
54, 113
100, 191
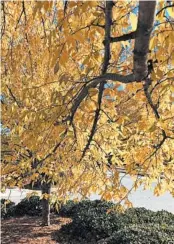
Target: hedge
91, 221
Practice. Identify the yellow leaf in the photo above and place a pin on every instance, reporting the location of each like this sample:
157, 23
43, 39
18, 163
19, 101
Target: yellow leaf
47, 5
133, 21
37, 7
171, 88
152, 43
152, 128
170, 11
160, 16
89, 107
45, 196
161, 37
93, 91
64, 58
128, 203
163, 124
92, 3
172, 99
34, 176
79, 36
86, 60
109, 92
159, 73
153, 76
108, 196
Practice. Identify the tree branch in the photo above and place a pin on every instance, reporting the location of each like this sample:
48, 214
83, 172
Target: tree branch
108, 23
124, 37
4, 19
13, 96
117, 77
149, 98
92, 84
168, 6
58, 144
157, 115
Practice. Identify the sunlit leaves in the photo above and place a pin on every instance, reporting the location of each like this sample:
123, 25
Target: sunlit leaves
133, 21
48, 56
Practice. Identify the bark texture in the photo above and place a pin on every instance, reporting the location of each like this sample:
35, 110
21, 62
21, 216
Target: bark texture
46, 188
145, 25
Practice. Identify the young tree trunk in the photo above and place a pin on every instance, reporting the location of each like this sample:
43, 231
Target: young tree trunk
46, 188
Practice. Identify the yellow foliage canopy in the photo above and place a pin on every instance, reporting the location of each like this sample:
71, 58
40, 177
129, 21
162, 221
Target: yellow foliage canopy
49, 55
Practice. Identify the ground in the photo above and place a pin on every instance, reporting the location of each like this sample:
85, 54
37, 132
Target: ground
29, 230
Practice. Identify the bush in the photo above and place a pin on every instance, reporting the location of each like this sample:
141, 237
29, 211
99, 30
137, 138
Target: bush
71, 208
137, 225
143, 216
143, 234
7, 208
68, 209
90, 219
29, 206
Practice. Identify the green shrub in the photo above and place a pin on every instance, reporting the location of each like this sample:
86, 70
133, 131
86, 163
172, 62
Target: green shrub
143, 234
137, 225
142, 215
29, 206
7, 208
90, 219
72, 208
68, 209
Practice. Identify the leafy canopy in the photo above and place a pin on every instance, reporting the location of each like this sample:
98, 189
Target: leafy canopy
69, 121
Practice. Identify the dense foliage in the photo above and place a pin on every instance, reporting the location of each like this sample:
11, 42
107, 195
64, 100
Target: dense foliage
93, 221
79, 98
29, 206
71, 208
142, 234
90, 218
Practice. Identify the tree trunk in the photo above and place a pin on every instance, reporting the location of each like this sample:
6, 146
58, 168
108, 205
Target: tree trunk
46, 188
146, 17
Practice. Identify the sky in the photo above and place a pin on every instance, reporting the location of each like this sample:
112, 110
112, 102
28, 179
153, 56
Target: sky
146, 199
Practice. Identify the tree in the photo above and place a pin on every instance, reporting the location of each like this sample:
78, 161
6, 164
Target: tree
88, 91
